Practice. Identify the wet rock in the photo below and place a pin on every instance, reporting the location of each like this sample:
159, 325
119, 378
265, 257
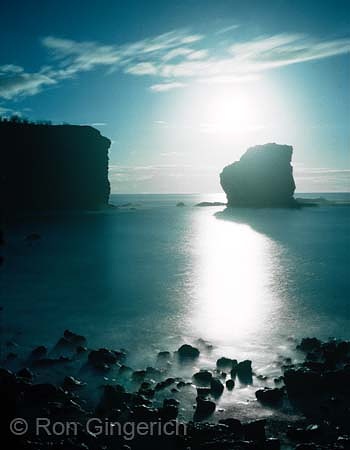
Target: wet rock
272, 444
44, 392
138, 376
125, 371
309, 345
305, 434
153, 373
186, 351
145, 414
49, 362
270, 397
255, 431
102, 358
204, 345
164, 384
75, 339
244, 372
204, 408
302, 381
164, 359
25, 373
226, 363
307, 447
203, 392
180, 204
170, 409
114, 397
216, 387
81, 349
202, 378
234, 425
230, 384
72, 383
39, 352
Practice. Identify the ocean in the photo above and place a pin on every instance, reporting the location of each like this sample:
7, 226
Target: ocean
149, 276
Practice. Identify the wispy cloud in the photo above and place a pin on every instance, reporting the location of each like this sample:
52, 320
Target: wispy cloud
172, 59
163, 87
14, 81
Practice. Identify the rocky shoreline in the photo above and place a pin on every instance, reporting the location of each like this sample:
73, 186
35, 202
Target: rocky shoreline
71, 383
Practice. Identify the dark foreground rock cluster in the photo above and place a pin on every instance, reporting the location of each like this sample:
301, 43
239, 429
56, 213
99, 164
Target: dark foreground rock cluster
263, 177
318, 388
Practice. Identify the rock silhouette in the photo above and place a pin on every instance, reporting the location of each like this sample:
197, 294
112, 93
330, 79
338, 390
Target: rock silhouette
263, 177
50, 167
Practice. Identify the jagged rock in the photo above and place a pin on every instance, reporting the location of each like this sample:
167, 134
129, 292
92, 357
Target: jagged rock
202, 378
269, 396
72, 160
263, 177
186, 351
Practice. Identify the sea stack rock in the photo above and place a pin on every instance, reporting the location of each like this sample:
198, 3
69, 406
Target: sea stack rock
52, 167
263, 177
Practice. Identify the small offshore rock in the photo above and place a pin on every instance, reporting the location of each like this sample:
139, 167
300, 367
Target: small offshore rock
186, 351
269, 396
244, 372
202, 378
230, 384
216, 387
39, 352
226, 363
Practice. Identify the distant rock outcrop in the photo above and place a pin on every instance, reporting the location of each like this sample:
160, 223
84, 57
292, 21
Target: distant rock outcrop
263, 177
50, 167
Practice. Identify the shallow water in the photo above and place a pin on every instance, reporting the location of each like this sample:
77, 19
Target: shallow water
151, 276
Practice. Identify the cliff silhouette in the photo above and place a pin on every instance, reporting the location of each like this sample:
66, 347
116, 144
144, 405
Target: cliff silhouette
52, 167
263, 177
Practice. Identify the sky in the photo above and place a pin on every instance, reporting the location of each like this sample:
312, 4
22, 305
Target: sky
182, 88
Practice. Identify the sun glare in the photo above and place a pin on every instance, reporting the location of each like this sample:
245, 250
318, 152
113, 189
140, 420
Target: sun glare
231, 109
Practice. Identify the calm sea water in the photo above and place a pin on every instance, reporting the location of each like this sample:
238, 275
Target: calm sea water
150, 276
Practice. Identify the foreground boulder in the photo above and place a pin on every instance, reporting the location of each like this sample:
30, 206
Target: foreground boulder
186, 351
263, 177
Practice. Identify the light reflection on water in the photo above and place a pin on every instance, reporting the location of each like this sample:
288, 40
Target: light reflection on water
234, 287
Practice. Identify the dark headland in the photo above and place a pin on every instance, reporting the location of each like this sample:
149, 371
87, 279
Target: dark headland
263, 177
52, 167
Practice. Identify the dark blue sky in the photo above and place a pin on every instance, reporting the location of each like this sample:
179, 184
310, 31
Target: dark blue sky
183, 88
